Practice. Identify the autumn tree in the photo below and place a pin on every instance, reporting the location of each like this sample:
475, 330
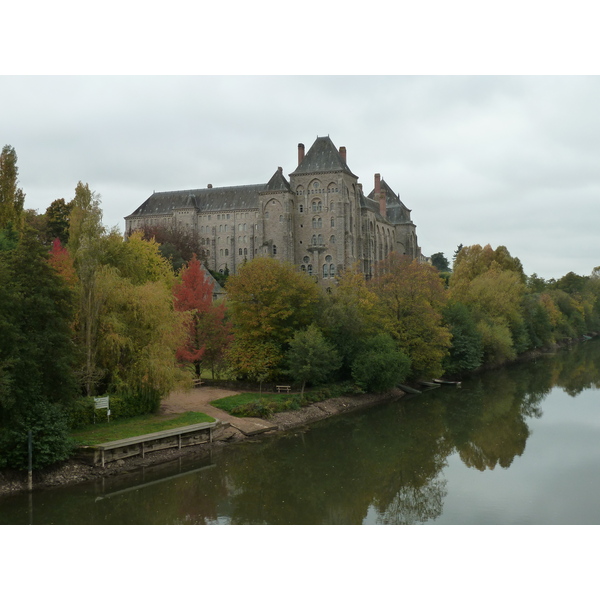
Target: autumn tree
208, 330
62, 262
412, 296
269, 301
12, 197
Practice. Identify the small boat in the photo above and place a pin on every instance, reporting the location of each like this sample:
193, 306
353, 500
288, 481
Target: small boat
429, 384
408, 389
445, 382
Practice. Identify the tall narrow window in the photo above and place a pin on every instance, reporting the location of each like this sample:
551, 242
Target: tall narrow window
274, 249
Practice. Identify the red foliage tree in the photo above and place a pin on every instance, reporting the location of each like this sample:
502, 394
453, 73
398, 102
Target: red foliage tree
209, 333
62, 261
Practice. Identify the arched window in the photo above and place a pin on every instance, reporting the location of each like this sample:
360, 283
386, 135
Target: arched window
331, 270
314, 240
320, 240
245, 251
240, 252
319, 222
332, 240
333, 221
220, 228
303, 268
309, 269
226, 251
221, 252
314, 222
325, 271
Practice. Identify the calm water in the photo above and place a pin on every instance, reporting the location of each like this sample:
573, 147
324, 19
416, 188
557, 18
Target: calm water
516, 446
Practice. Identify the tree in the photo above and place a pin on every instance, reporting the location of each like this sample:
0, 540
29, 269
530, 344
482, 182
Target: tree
62, 262
36, 350
466, 352
270, 300
58, 220
85, 223
138, 333
350, 316
491, 283
208, 332
310, 358
440, 262
412, 296
12, 197
177, 244
381, 365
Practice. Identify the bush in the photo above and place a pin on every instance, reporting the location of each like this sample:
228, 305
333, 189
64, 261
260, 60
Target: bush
49, 425
381, 365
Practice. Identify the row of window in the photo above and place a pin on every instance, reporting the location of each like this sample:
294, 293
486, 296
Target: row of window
328, 270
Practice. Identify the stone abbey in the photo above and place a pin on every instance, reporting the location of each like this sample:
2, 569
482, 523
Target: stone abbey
320, 219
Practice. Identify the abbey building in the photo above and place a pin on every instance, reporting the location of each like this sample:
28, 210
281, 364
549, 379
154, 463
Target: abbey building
319, 219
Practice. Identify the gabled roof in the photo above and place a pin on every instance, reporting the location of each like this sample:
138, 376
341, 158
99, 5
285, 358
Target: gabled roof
396, 210
278, 183
322, 157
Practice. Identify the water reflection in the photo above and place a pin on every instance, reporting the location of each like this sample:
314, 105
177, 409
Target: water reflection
394, 464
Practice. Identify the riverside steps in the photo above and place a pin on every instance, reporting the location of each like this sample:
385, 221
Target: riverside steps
179, 437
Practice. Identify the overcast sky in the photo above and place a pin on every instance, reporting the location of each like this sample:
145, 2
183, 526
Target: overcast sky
497, 160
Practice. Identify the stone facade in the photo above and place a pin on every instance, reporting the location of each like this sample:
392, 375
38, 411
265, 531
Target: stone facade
319, 219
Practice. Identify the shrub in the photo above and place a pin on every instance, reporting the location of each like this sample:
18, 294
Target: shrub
51, 443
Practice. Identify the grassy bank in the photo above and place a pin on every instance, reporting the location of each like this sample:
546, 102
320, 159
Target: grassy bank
100, 433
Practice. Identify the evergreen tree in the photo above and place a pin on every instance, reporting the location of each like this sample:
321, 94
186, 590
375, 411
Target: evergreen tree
12, 197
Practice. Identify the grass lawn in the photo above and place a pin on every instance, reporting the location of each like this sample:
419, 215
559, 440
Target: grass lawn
231, 402
125, 428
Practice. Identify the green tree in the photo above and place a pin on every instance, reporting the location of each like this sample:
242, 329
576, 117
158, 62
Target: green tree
466, 352
491, 283
350, 316
58, 220
310, 358
12, 197
412, 296
440, 262
36, 354
380, 365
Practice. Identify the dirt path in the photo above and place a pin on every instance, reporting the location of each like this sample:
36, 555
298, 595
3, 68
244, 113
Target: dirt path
199, 400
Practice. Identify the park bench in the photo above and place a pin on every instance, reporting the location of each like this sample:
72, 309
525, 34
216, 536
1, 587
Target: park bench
284, 388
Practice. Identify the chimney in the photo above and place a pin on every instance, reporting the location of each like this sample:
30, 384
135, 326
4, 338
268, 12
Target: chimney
209, 186
380, 196
343, 153
300, 153
280, 169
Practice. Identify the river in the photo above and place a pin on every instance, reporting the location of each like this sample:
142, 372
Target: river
519, 445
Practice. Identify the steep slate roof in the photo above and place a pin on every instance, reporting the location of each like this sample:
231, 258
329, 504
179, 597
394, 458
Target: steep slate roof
322, 157
238, 197
278, 183
396, 210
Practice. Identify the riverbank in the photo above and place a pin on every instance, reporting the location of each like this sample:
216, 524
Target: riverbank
232, 431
